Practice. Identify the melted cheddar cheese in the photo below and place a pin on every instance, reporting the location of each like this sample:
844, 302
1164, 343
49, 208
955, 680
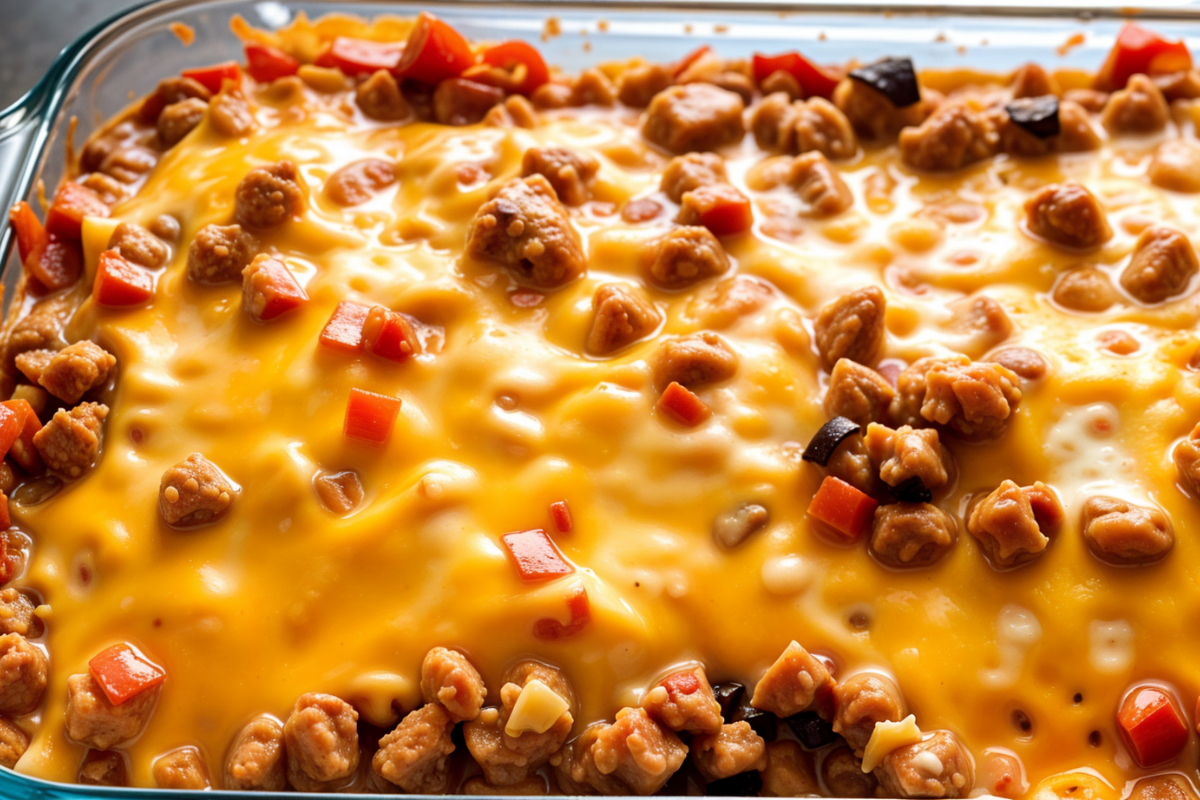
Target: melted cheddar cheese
504, 414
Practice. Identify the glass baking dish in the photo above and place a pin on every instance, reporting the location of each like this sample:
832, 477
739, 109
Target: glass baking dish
124, 57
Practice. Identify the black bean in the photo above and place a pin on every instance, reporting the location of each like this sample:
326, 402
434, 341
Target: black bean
826, 440
811, 730
729, 696
747, 784
764, 723
1038, 115
894, 77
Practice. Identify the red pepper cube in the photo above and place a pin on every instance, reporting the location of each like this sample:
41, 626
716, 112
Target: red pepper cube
31, 234
269, 288
120, 282
361, 56
1138, 50
681, 405
389, 335
344, 330
71, 204
535, 556
5, 524
814, 80
58, 265
12, 423
684, 682
1152, 725
370, 416
212, 77
580, 610
842, 507
434, 52
522, 60
124, 673
266, 63
561, 515
22, 449
680, 66
720, 207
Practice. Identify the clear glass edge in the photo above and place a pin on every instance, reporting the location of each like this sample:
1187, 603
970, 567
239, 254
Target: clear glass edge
44, 101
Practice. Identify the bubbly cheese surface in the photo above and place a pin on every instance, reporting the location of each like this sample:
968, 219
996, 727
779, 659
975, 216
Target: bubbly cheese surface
504, 414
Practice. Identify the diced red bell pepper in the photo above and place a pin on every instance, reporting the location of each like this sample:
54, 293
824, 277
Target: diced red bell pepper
12, 423
5, 524
71, 204
580, 609
722, 208
561, 516
361, 56
58, 266
681, 405
434, 52
842, 507
344, 331
370, 416
266, 63
813, 80
1138, 50
270, 289
31, 234
213, 76
683, 682
682, 64
123, 673
120, 282
389, 335
535, 556
22, 449
1152, 725
522, 60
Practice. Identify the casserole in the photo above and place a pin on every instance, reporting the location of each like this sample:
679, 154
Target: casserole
843, 37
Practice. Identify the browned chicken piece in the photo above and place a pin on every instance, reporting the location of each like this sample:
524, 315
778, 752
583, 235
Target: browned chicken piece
1176, 166
1067, 214
1085, 289
857, 393
693, 361
447, 677
218, 254
1162, 265
179, 119
788, 771
794, 683
593, 88
852, 327
13, 743
862, 700
139, 245
782, 125
229, 114
515, 112
686, 256
620, 317
23, 675
459, 101
569, 171
700, 203
907, 453
70, 373
1187, 461
728, 75
555, 94
781, 82
684, 701
524, 228
732, 750
1032, 80
937, 766
269, 196
773, 123
842, 773
94, 722
70, 442
169, 91
955, 136
41, 328
1119, 532
17, 614
633, 755
379, 98
416, 755
695, 116
638, 85
1181, 85
874, 117
320, 738
104, 768
339, 492
820, 187
1027, 363
575, 770
729, 300
511, 757
1014, 524
256, 761
1139, 108
851, 463
691, 171
194, 492
974, 400
181, 769
911, 535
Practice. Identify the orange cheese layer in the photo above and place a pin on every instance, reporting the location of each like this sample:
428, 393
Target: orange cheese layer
507, 415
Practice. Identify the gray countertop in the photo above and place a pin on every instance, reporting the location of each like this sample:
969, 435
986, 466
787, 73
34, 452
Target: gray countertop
35, 31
